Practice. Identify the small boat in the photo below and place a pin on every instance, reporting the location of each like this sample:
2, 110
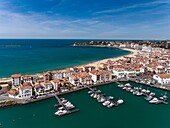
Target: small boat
164, 98
121, 85
148, 98
98, 91
120, 101
92, 95
90, 92
127, 85
143, 90
103, 99
148, 91
107, 102
110, 105
124, 88
152, 94
139, 93
154, 101
60, 112
95, 95
135, 92
131, 90
109, 97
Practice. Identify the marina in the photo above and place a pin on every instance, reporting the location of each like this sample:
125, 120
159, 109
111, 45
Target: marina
102, 98
139, 91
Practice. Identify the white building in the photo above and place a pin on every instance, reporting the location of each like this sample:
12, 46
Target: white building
16, 79
162, 78
25, 90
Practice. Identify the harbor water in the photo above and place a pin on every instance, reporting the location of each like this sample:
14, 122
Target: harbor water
134, 113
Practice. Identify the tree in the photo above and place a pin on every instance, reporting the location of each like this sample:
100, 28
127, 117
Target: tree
9, 85
0, 87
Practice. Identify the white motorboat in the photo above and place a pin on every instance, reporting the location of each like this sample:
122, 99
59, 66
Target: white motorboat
124, 88
95, 95
139, 93
148, 98
148, 91
110, 105
131, 90
127, 85
90, 92
135, 92
154, 101
143, 90
121, 85
92, 95
120, 101
102, 99
106, 103
152, 94
61, 112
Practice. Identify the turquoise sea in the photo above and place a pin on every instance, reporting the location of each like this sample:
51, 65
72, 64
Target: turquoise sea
134, 113
37, 55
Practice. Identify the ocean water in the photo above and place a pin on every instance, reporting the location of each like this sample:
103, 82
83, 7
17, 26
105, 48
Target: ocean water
29, 56
134, 113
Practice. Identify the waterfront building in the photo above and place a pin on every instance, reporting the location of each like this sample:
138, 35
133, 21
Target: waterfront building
47, 76
85, 78
16, 79
56, 84
73, 79
163, 79
25, 90
58, 76
48, 86
39, 89
27, 78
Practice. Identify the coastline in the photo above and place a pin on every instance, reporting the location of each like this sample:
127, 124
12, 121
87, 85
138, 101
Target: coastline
93, 63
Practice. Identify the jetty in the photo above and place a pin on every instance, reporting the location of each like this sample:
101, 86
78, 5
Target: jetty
60, 103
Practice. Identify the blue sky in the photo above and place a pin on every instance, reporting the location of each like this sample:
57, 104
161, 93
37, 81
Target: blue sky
101, 19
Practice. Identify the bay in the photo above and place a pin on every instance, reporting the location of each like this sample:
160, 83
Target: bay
28, 56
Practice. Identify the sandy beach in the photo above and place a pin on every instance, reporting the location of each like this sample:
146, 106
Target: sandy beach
96, 63
133, 53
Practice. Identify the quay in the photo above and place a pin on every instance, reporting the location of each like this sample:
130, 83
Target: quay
61, 104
